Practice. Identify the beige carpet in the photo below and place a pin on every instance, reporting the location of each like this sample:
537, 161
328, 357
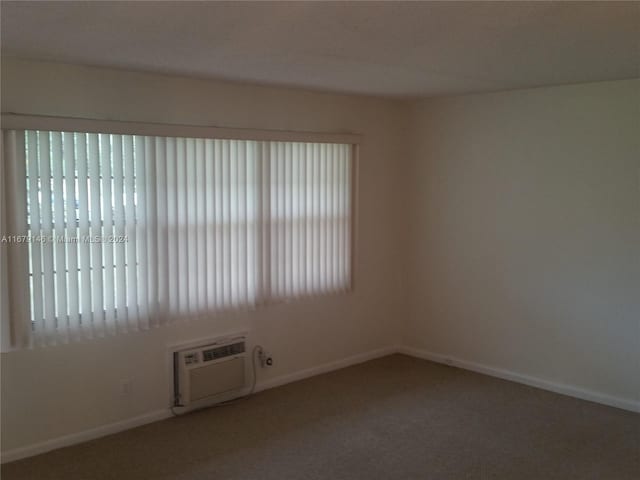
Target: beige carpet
392, 418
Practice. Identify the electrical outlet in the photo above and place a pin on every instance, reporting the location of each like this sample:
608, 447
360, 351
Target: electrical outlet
265, 359
125, 387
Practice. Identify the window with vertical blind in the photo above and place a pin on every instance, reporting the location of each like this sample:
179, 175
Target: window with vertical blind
105, 233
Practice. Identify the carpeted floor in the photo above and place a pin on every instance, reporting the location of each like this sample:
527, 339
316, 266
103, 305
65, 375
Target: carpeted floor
392, 418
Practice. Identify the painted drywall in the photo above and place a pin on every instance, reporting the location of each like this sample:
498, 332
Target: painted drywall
526, 236
51, 392
511, 219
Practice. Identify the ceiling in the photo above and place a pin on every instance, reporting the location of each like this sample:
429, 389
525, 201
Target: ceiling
404, 49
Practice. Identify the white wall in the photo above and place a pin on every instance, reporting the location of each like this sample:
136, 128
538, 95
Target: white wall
56, 391
522, 252
526, 233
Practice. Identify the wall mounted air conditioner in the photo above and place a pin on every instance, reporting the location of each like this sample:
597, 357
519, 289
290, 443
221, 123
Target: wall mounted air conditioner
210, 373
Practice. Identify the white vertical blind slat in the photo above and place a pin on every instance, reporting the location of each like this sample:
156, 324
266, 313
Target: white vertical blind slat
249, 257
226, 223
210, 223
191, 219
58, 231
324, 178
71, 233
342, 217
281, 262
219, 227
317, 215
335, 149
16, 321
162, 234
273, 214
105, 244
131, 232
172, 227
151, 231
200, 226
241, 191
266, 223
82, 160
302, 224
182, 225
329, 219
349, 225
37, 313
286, 219
233, 220
119, 229
95, 214
308, 219
48, 294
142, 226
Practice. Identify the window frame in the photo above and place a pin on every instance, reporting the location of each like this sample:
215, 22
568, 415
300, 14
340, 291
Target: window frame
51, 123
12, 121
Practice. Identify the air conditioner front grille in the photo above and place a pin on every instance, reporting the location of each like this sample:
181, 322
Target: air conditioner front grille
210, 373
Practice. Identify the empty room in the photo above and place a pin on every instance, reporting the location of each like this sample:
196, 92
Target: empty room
320, 240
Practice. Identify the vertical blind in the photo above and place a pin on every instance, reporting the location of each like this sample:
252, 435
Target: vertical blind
108, 233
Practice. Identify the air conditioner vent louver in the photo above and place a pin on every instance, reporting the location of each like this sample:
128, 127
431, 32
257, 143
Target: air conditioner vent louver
221, 352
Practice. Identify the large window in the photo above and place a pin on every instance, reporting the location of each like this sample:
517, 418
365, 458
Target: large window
108, 233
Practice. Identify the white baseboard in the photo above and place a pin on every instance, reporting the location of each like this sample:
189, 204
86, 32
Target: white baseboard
92, 434
326, 367
84, 436
570, 390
